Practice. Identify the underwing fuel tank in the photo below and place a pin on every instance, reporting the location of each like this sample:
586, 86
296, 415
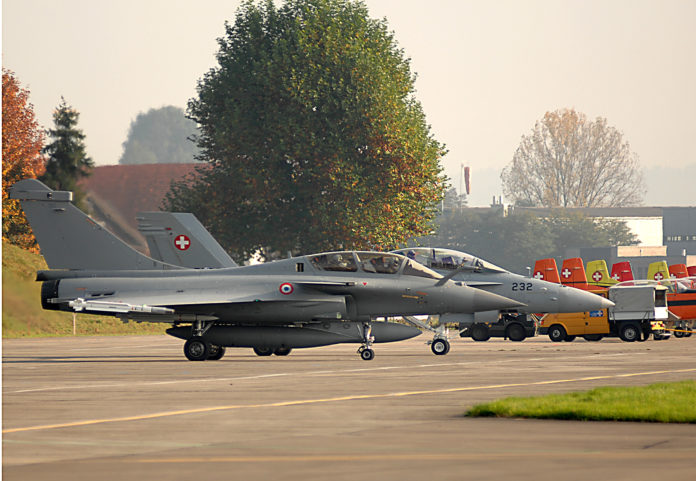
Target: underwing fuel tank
313, 335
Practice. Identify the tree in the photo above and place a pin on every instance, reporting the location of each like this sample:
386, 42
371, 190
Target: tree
569, 161
453, 200
67, 158
311, 135
160, 136
22, 141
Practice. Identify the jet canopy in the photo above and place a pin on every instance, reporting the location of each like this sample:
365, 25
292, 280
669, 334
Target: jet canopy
371, 262
447, 259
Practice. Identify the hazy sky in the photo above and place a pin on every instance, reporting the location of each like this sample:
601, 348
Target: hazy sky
487, 70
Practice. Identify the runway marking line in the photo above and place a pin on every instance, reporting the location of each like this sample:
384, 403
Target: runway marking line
355, 397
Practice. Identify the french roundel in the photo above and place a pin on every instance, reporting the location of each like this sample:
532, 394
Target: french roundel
286, 288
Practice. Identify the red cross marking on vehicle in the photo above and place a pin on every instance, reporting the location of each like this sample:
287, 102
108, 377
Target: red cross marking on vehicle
566, 273
597, 276
182, 242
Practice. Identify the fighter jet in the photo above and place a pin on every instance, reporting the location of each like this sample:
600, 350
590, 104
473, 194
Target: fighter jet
537, 296
305, 301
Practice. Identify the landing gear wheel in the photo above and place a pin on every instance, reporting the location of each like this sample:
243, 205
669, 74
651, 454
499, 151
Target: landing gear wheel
630, 333
196, 349
516, 333
440, 347
367, 354
479, 332
282, 351
263, 351
216, 353
678, 334
688, 334
557, 333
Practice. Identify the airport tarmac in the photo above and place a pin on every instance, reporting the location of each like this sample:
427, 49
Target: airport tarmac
111, 408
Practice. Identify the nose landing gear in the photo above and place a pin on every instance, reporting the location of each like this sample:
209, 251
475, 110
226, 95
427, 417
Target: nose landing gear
365, 351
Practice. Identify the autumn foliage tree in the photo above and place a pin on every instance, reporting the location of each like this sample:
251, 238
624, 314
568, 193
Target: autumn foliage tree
311, 135
569, 161
22, 141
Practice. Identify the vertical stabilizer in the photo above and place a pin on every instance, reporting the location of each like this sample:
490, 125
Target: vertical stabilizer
691, 270
658, 271
573, 273
180, 239
621, 271
677, 271
598, 274
69, 239
546, 270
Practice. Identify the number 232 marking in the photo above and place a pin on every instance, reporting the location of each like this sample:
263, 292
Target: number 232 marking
521, 286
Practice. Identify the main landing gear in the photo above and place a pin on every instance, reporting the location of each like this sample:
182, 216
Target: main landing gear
365, 351
198, 349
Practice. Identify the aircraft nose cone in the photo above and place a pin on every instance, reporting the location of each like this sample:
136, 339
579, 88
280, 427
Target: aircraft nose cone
487, 301
577, 300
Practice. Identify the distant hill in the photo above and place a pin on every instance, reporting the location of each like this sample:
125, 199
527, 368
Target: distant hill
22, 315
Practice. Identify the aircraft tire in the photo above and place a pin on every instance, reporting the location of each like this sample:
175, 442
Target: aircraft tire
630, 332
479, 332
367, 354
216, 353
440, 347
557, 333
263, 351
516, 333
196, 349
678, 334
282, 351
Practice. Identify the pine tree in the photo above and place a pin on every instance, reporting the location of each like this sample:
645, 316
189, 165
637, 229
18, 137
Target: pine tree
67, 160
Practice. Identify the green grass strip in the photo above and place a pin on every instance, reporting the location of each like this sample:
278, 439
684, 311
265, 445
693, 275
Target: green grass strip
660, 403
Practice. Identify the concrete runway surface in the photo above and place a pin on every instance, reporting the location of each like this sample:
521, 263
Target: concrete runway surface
111, 408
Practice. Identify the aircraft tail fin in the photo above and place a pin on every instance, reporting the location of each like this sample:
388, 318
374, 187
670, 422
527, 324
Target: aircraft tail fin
69, 239
598, 274
546, 270
180, 239
621, 271
691, 270
573, 273
658, 271
677, 271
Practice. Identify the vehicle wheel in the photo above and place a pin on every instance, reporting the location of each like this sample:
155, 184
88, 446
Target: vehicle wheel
630, 332
367, 354
479, 332
657, 336
282, 351
688, 334
557, 333
263, 351
516, 333
196, 349
440, 347
569, 338
216, 353
592, 337
678, 334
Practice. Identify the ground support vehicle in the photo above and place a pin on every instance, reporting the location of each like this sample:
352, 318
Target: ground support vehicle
516, 327
638, 312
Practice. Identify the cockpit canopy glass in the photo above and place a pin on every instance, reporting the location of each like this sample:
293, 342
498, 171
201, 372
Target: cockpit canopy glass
446, 259
335, 261
379, 263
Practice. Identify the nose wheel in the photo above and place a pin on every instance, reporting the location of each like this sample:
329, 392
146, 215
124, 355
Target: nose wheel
440, 347
365, 351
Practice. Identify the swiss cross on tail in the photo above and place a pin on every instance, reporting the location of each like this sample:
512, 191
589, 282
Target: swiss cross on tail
539, 275
182, 242
566, 273
658, 276
597, 276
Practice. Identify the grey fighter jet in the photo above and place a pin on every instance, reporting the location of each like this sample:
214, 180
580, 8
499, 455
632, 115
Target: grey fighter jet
537, 296
306, 301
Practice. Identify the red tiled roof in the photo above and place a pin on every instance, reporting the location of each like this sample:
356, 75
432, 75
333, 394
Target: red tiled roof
130, 189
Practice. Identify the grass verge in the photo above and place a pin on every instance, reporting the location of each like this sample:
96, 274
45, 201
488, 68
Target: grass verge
660, 403
22, 315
